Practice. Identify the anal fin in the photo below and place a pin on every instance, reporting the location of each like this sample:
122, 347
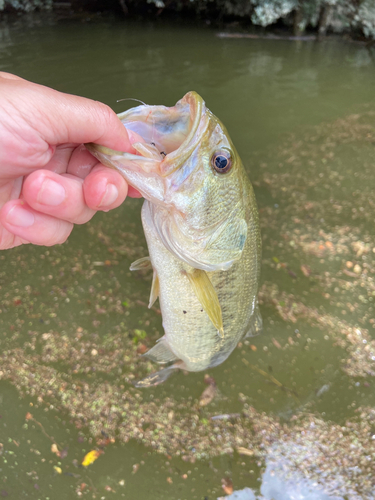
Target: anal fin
161, 353
255, 323
140, 264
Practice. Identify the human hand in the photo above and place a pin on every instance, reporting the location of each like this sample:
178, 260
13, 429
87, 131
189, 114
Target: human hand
48, 180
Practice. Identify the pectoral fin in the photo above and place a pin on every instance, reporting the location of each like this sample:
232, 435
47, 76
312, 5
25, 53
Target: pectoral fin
154, 289
207, 296
140, 264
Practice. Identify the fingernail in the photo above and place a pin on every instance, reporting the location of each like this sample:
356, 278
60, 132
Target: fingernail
18, 216
51, 193
110, 196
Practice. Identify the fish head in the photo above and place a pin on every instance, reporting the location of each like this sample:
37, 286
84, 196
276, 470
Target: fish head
188, 169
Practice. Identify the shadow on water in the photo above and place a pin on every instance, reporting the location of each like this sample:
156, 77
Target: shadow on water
294, 407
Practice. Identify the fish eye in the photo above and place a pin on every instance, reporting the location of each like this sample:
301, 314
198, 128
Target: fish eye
221, 161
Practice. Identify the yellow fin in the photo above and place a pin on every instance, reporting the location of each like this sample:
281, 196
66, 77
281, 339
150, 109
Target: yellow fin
207, 296
154, 289
140, 264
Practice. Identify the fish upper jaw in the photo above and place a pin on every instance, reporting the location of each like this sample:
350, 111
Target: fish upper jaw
170, 137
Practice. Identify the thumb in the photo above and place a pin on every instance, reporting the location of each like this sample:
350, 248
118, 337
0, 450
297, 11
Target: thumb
84, 120
59, 118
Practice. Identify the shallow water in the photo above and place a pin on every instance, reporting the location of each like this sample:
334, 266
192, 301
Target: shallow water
300, 397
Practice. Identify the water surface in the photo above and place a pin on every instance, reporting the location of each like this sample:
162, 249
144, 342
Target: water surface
300, 397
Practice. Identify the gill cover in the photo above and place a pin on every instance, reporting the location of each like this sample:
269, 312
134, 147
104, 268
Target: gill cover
209, 249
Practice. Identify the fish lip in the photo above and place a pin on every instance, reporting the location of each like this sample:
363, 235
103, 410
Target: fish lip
179, 156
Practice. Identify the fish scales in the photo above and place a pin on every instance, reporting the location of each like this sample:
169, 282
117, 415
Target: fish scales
201, 225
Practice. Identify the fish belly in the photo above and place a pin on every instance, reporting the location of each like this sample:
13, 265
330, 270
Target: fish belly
189, 332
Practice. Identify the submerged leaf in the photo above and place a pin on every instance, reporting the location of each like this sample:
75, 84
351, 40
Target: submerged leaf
90, 457
55, 449
245, 451
209, 393
227, 485
305, 270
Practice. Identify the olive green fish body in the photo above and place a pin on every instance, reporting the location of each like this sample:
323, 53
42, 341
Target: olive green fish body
201, 225
189, 332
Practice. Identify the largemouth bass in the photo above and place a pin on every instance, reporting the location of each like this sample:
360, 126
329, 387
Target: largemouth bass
201, 225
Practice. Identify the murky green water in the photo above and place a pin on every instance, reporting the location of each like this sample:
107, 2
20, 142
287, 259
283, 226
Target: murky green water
300, 399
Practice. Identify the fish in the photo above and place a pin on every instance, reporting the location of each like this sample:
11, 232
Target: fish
201, 224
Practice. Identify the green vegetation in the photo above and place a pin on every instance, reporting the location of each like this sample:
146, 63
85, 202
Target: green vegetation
356, 17
25, 5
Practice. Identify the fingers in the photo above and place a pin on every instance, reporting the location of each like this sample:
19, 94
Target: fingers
104, 188
28, 225
58, 195
74, 199
133, 193
81, 162
60, 159
52, 203
72, 159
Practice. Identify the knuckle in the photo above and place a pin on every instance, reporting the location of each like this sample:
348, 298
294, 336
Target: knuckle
60, 234
106, 116
81, 216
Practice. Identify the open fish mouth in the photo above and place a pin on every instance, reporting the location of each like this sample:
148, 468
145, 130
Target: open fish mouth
169, 135
168, 128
